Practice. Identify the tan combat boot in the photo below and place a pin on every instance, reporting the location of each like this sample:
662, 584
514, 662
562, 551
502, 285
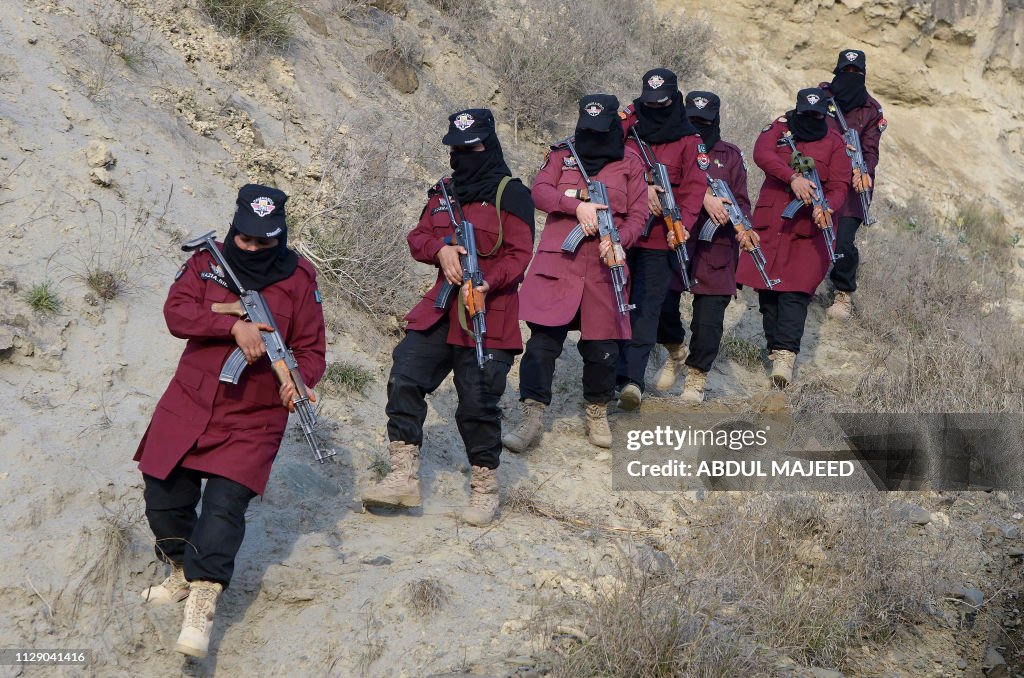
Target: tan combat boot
401, 487
630, 397
483, 497
194, 639
174, 589
782, 367
674, 365
531, 423
696, 380
842, 307
598, 431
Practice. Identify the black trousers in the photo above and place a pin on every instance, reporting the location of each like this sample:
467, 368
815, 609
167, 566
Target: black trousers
421, 361
706, 328
783, 315
537, 368
205, 544
651, 272
844, 271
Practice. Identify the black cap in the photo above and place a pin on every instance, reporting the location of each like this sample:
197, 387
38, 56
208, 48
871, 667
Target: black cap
851, 57
812, 99
260, 211
702, 105
599, 112
659, 84
470, 126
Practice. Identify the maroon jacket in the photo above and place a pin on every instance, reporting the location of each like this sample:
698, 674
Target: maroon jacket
503, 272
714, 263
683, 159
558, 285
794, 248
870, 124
220, 429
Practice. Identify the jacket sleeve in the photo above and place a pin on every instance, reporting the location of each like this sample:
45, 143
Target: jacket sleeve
514, 256
768, 159
840, 176
187, 316
306, 335
692, 186
870, 137
637, 211
546, 195
738, 184
424, 244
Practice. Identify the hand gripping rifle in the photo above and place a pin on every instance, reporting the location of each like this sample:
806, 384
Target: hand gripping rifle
471, 301
805, 166
852, 138
657, 174
596, 191
720, 189
253, 307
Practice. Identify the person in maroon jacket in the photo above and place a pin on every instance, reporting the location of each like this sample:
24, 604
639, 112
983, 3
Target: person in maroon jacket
439, 341
573, 291
660, 121
713, 262
227, 434
795, 248
863, 113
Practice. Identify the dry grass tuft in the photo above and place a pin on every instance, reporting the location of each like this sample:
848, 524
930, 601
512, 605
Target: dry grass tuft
741, 351
263, 22
426, 596
346, 376
102, 581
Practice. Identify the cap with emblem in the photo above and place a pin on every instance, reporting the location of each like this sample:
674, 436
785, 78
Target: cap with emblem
598, 112
259, 211
659, 86
470, 126
702, 105
851, 57
811, 100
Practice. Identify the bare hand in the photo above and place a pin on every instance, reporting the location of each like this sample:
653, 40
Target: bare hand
748, 240
819, 217
288, 395
247, 336
481, 289
715, 209
586, 213
606, 247
653, 203
803, 189
861, 181
448, 258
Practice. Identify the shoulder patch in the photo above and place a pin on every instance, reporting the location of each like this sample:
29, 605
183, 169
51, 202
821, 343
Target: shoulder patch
766, 128
181, 271
703, 161
743, 160
882, 124
317, 297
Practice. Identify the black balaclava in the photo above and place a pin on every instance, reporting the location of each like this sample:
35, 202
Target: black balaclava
849, 90
710, 130
662, 125
597, 149
476, 175
806, 127
256, 270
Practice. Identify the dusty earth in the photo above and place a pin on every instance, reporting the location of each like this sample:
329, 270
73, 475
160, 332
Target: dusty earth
109, 160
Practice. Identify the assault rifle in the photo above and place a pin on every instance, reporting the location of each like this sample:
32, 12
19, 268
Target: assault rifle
252, 306
597, 192
805, 166
658, 175
852, 138
720, 189
472, 277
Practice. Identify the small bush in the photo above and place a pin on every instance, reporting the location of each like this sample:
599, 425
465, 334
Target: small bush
116, 29
42, 297
427, 596
106, 284
266, 22
379, 466
343, 375
741, 351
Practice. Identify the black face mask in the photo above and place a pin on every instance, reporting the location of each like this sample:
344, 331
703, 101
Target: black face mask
806, 127
710, 130
597, 149
662, 125
476, 174
256, 270
849, 90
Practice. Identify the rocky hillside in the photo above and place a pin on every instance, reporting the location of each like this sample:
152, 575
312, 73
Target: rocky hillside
126, 125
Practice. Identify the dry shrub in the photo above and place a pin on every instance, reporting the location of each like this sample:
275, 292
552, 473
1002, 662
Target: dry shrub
983, 229
805, 576
426, 596
263, 22
548, 55
350, 224
112, 252
945, 343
